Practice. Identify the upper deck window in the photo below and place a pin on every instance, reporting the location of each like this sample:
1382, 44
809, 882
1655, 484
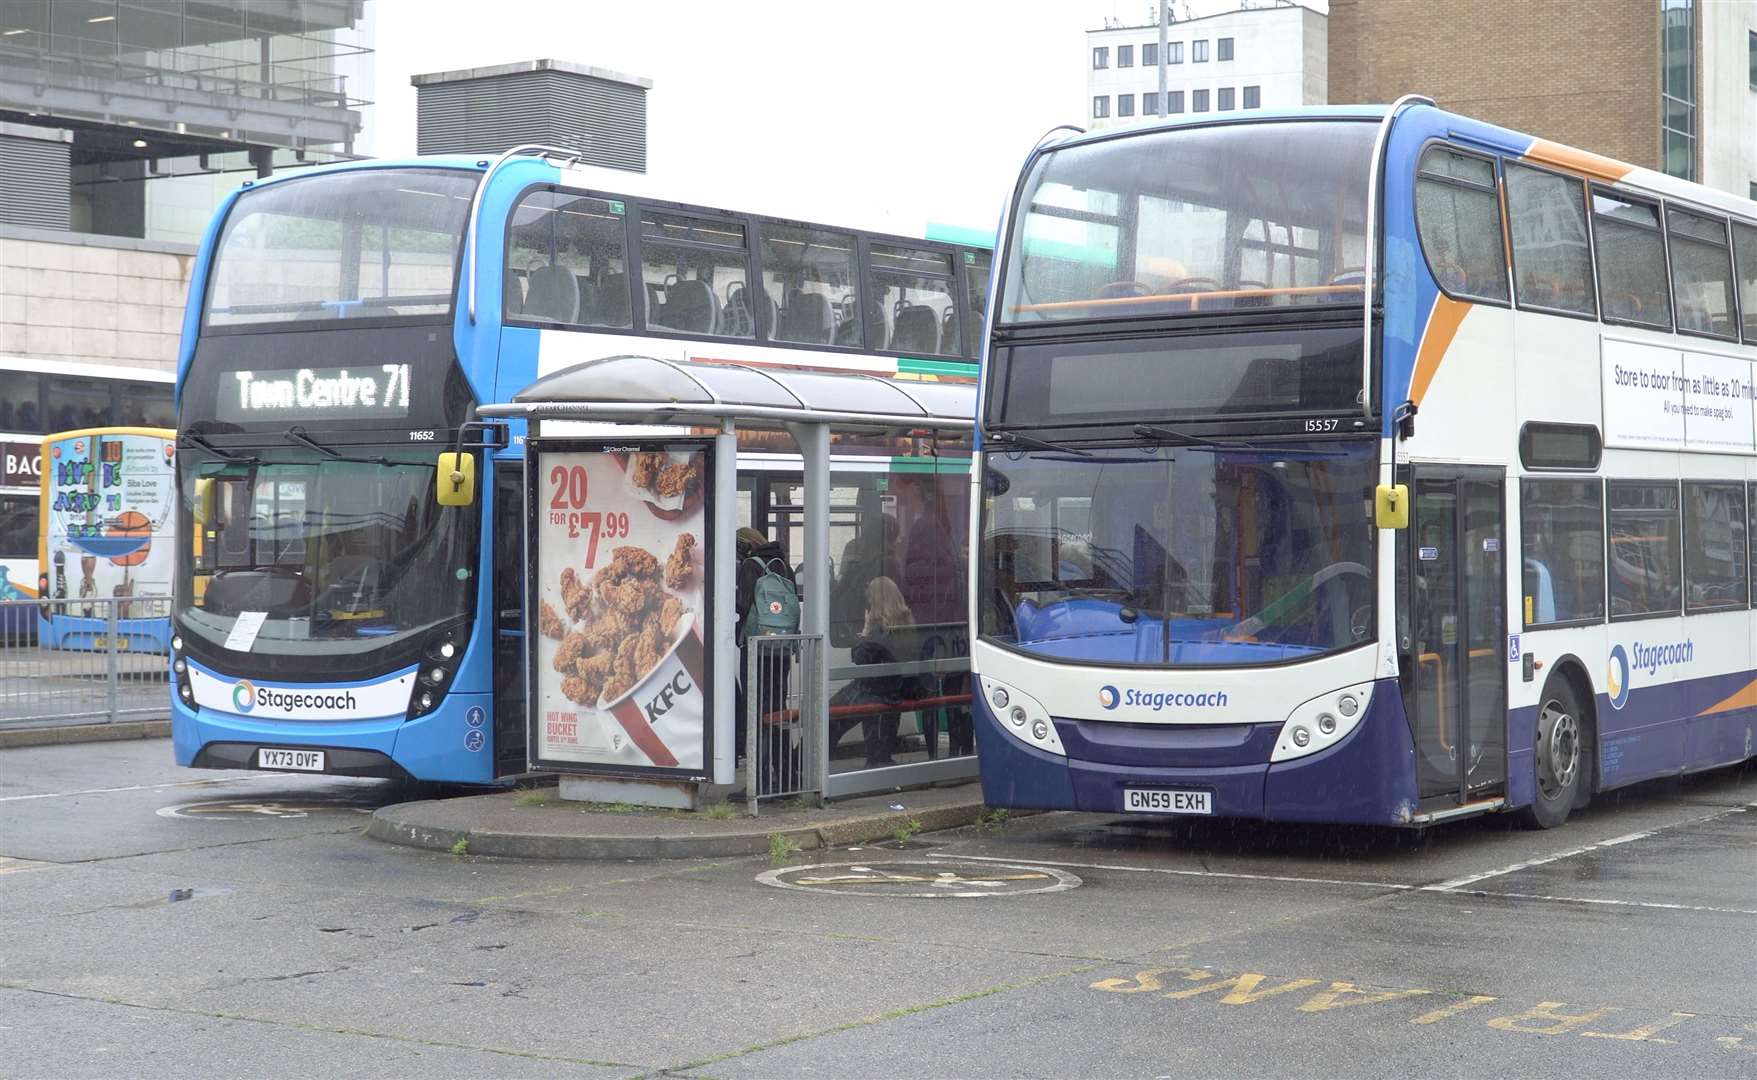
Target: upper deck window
1702, 274
354, 244
567, 261
1198, 219
697, 275
1458, 215
1552, 257
916, 312
809, 277
1631, 261
1745, 251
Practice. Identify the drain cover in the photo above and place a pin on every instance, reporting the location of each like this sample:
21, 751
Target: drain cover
939, 879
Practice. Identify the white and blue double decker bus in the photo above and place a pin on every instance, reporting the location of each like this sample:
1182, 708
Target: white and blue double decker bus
1361, 465
345, 323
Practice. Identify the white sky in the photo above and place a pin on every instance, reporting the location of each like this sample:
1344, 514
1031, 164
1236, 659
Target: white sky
883, 115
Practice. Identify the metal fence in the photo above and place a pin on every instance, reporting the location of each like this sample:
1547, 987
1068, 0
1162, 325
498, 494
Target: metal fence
781, 725
84, 659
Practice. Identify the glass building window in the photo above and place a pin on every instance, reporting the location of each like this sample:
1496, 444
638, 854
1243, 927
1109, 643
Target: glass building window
1224, 45
1101, 106
1562, 538
1125, 104
1702, 274
1150, 103
1715, 564
1678, 90
566, 261
1458, 216
1645, 575
1100, 58
1174, 52
1552, 257
1225, 99
1745, 254
1253, 97
1631, 261
1198, 101
695, 273
1150, 54
1199, 52
1125, 56
809, 278
1174, 102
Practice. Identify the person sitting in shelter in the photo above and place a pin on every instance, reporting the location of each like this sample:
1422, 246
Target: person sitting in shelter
883, 640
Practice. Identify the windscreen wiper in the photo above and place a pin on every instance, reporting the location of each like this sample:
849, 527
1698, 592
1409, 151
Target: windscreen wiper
229, 455
1184, 438
1027, 442
297, 434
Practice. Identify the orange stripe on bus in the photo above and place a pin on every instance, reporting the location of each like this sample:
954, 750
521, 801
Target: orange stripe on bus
1744, 699
1577, 161
1443, 325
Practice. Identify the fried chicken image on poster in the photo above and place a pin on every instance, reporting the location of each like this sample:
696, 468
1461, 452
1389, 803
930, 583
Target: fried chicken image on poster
619, 611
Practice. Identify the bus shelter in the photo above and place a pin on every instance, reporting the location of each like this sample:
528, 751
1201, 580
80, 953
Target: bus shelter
640, 474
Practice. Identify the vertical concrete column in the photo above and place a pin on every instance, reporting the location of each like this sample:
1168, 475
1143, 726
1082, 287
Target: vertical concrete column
814, 615
725, 579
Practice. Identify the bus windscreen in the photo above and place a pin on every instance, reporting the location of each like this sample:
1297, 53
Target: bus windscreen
1194, 219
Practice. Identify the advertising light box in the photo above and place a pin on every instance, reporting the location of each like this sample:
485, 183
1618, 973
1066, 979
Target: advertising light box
617, 606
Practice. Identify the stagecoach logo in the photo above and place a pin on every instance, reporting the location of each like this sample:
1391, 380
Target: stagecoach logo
244, 696
1617, 677
1108, 697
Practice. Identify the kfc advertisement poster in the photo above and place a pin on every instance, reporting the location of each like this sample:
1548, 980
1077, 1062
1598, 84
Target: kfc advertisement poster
616, 605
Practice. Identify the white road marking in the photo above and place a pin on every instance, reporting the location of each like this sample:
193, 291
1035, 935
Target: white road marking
144, 787
1456, 884
1391, 885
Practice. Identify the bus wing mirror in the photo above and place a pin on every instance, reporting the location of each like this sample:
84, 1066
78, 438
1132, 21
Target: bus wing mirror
456, 479
1391, 506
204, 500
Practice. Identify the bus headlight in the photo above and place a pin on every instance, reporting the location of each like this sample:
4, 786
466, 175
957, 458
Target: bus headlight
1322, 722
1025, 717
179, 666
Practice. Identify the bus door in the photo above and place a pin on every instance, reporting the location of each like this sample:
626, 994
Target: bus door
509, 618
1458, 632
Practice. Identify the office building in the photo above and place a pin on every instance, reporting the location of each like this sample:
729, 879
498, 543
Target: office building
1669, 85
1253, 58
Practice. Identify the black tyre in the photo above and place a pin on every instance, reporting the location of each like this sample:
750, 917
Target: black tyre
1560, 760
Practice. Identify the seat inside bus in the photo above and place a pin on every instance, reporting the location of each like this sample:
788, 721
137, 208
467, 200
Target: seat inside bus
552, 294
689, 306
809, 318
917, 329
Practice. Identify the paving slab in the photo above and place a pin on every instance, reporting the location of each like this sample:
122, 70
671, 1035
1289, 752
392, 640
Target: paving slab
529, 825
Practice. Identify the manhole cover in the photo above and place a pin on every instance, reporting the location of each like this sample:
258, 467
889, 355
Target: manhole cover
940, 879
234, 810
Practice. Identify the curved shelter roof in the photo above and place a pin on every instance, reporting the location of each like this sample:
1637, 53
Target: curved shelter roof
648, 390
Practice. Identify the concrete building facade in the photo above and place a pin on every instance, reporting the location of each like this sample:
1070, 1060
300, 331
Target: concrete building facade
1253, 58
1669, 85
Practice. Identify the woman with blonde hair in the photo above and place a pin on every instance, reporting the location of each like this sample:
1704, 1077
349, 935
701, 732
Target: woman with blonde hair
883, 640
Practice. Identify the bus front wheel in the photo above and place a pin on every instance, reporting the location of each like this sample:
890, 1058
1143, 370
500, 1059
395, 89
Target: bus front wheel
1560, 760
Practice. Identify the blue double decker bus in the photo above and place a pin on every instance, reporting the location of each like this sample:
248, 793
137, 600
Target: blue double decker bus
332, 613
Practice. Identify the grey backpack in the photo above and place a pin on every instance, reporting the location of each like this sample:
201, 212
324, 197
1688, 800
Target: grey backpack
774, 606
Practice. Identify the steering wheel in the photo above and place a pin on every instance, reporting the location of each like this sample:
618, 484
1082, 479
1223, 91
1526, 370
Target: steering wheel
1126, 288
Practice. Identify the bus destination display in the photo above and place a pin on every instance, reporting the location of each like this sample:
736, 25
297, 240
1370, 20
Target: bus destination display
370, 391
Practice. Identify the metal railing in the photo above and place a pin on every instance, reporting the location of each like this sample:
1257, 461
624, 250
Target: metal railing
87, 659
781, 724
